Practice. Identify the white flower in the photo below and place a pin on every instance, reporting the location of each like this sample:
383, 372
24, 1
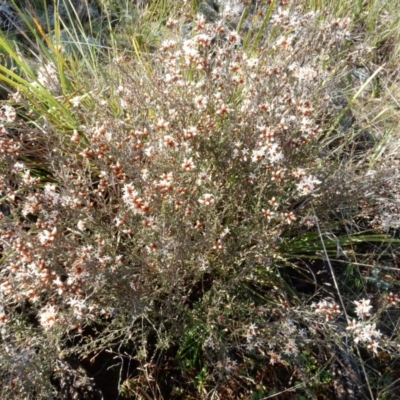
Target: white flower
207, 200
291, 348
230, 364
353, 325
307, 185
251, 332
167, 44
59, 284
268, 214
363, 308
258, 155
366, 333
252, 62
190, 132
274, 154
200, 102
188, 164
27, 179
189, 51
51, 195
46, 237
48, 77
203, 177
274, 357
81, 225
47, 316
225, 232
18, 167
234, 38
7, 113
76, 101
17, 96
306, 74
203, 39
78, 307
373, 345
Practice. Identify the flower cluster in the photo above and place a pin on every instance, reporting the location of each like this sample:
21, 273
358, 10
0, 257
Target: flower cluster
362, 330
48, 77
365, 333
327, 309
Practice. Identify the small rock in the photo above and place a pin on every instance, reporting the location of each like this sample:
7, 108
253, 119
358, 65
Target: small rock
10, 21
360, 74
78, 45
346, 122
186, 30
210, 14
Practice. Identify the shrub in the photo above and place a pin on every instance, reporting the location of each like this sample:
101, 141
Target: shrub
180, 203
